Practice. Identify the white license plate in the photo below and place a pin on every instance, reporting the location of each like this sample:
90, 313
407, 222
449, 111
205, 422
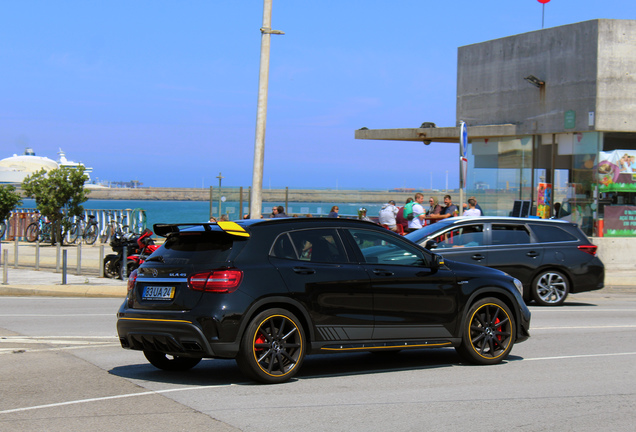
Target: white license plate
158, 293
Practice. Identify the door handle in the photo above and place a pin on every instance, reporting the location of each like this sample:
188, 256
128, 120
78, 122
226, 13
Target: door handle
382, 272
533, 254
478, 257
304, 270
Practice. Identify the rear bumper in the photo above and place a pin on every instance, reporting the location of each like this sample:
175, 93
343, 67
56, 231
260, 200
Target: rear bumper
178, 337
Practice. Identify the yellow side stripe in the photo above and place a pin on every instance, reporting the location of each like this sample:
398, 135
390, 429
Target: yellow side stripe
385, 347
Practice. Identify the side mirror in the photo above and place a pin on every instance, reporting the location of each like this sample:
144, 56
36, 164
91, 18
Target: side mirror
438, 261
430, 244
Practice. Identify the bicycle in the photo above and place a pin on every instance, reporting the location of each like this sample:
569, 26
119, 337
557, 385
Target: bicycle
87, 230
114, 226
41, 229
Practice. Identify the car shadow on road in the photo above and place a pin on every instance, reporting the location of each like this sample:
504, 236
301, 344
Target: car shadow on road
225, 372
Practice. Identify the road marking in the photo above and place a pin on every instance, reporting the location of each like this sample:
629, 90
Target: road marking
55, 315
578, 356
586, 310
582, 327
105, 398
75, 342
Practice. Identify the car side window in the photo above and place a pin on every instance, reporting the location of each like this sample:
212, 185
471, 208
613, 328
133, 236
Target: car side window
464, 236
314, 245
551, 234
380, 248
505, 234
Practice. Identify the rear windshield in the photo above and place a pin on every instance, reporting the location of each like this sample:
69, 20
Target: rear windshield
195, 248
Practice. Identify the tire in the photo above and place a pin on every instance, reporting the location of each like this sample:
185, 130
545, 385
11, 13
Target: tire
273, 347
550, 288
112, 266
73, 233
90, 236
105, 237
488, 332
32, 232
171, 363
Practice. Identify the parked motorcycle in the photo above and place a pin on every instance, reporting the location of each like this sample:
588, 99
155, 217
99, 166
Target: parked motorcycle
146, 246
113, 262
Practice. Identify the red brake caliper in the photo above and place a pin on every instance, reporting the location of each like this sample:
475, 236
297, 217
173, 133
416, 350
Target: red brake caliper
259, 340
497, 321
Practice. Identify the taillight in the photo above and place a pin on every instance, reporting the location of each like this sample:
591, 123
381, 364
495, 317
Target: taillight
130, 285
131, 280
217, 281
590, 249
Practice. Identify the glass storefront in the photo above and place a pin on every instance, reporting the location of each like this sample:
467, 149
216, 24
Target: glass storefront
556, 173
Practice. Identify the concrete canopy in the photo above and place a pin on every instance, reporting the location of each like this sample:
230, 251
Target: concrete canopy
442, 134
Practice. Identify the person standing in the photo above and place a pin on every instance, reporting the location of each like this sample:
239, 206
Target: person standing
418, 213
472, 209
388, 214
400, 219
280, 212
434, 209
362, 215
449, 210
476, 206
334, 212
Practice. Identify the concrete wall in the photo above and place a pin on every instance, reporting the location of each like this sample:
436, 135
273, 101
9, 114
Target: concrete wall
618, 254
587, 67
616, 81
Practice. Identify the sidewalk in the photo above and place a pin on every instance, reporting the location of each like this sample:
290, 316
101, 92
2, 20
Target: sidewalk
26, 281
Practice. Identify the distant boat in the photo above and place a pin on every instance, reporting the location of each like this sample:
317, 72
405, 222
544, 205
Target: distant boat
14, 169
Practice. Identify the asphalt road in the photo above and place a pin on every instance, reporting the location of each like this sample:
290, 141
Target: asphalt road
61, 369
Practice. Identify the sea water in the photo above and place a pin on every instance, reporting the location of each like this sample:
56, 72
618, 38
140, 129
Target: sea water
199, 211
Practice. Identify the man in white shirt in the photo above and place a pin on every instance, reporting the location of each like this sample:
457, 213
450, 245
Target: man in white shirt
472, 209
388, 214
418, 213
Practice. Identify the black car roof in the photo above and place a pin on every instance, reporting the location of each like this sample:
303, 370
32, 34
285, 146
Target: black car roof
247, 224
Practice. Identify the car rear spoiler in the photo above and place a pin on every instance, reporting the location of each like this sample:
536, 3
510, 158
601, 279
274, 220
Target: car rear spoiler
232, 228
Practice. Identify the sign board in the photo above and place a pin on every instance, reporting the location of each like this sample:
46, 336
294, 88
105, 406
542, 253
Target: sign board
569, 119
463, 137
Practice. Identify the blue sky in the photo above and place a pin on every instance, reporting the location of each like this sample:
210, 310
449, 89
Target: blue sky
165, 92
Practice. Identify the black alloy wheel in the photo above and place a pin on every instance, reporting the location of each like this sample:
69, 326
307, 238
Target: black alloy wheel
112, 266
550, 288
171, 363
273, 347
488, 334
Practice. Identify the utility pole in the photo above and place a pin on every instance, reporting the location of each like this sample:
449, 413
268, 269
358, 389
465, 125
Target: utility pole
256, 201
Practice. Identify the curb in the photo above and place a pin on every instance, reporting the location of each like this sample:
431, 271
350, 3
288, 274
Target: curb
84, 290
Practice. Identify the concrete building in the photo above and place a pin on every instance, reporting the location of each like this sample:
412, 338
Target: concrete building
546, 113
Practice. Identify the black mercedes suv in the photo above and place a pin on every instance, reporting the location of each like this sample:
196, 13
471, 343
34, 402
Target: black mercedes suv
268, 292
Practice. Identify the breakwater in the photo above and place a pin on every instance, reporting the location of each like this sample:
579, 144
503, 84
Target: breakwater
269, 195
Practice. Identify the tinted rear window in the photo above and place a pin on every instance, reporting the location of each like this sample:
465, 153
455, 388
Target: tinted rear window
551, 234
193, 248
509, 234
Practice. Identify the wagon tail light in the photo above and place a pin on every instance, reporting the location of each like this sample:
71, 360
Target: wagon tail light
590, 249
216, 281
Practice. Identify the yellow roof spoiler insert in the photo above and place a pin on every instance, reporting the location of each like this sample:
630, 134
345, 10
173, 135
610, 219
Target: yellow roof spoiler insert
233, 228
